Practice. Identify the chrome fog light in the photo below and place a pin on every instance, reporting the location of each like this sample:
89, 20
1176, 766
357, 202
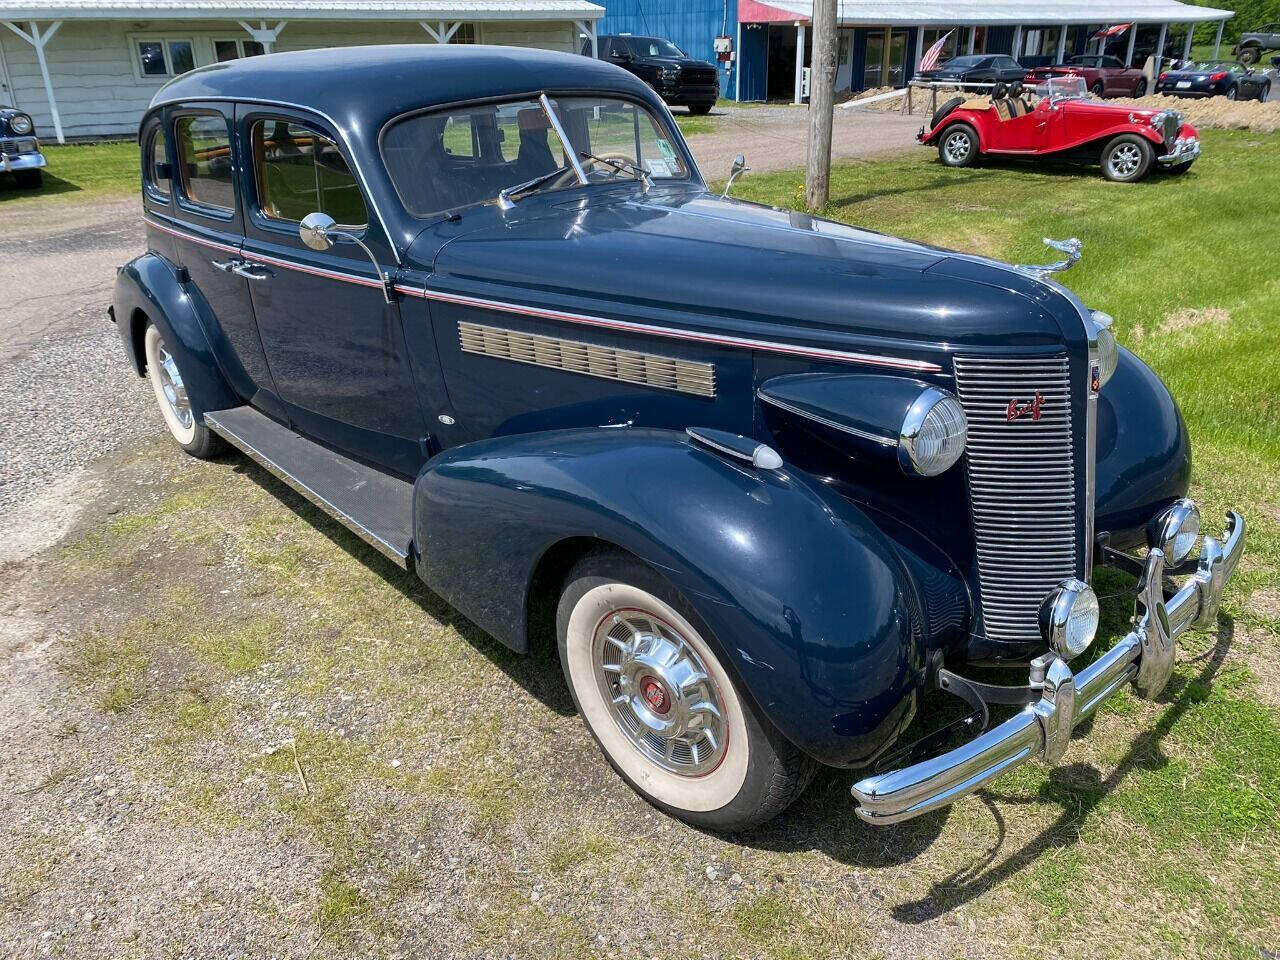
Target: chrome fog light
933, 433
1176, 531
1108, 349
1069, 618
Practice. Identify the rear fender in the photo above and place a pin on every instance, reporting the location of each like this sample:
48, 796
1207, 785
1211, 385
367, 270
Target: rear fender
809, 606
959, 115
149, 288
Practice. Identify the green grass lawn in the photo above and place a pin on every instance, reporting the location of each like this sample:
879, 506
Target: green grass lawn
1183, 265
91, 170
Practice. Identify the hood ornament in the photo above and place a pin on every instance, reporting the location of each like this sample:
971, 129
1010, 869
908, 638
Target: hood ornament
1072, 248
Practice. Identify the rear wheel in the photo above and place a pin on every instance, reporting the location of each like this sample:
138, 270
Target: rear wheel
1127, 158
1140, 90
944, 111
657, 700
175, 405
29, 179
958, 145
1097, 88
1233, 93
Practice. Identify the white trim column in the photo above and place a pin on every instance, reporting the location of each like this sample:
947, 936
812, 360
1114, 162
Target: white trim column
1133, 39
40, 41
265, 35
973, 39
589, 28
1062, 43
1186, 47
1159, 55
1017, 42
1217, 40
443, 31
799, 93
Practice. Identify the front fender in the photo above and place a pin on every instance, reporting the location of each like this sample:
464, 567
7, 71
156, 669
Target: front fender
1144, 453
148, 288
808, 604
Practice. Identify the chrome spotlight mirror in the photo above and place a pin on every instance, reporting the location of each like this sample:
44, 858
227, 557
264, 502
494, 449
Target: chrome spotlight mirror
319, 232
738, 169
314, 230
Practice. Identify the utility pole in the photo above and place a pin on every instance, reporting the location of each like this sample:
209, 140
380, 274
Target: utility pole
822, 81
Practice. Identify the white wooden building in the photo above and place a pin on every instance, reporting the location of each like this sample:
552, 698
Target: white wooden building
88, 68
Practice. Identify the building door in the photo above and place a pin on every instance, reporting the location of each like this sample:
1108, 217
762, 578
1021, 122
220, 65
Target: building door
874, 74
753, 63
896, 64
782, 62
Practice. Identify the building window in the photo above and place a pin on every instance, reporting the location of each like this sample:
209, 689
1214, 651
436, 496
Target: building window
204, 160
300, 172
466, 33
224, 50
163, 57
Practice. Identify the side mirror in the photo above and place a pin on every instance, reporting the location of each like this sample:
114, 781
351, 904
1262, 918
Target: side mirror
314, 230
738, 169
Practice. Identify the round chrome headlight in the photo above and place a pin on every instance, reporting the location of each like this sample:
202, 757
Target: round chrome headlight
1176, 531
1069, 618
1108, 350
20, 124
933, 433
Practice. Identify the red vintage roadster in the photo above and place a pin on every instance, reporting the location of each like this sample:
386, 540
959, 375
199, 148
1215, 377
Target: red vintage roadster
1060, 120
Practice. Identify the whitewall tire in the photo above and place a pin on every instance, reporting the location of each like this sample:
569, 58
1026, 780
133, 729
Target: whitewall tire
666, 714
171, 396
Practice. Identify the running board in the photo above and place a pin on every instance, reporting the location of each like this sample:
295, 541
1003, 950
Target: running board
376, 507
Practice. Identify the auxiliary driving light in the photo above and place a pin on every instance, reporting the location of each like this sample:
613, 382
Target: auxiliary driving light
1176, 530
1108, 349
933, 433
1069, 618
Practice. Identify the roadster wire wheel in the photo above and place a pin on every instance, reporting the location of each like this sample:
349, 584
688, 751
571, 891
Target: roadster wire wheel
958, 146
658, 701
174, 400
1127, 158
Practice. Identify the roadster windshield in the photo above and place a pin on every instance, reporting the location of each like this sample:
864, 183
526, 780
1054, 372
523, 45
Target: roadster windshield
1064, 88
468, 155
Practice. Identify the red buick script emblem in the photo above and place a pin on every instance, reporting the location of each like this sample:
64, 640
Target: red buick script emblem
1018, 410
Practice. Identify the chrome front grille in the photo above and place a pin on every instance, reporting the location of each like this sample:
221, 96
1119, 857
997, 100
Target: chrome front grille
1022, 485
612, 363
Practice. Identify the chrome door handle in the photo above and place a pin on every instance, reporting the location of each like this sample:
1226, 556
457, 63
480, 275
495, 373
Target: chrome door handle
226, 266
252, 271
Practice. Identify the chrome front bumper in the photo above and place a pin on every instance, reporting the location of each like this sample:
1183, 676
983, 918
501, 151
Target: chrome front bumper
1043, 729
21, 161
1185, 149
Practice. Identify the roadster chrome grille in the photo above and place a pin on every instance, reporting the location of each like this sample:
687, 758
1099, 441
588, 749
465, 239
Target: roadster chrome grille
1021, 485
629, 366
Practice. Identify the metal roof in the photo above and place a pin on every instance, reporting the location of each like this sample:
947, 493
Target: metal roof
299, 10
990, 13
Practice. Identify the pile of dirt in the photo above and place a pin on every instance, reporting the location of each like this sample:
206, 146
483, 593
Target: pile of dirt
1218, 113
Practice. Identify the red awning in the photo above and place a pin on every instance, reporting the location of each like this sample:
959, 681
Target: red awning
753, 11
1115, 31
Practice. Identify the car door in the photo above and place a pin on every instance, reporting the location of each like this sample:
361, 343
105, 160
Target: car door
334, 344
205, 225
1031, 132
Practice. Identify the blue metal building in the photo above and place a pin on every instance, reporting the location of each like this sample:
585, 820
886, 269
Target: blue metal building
692, 25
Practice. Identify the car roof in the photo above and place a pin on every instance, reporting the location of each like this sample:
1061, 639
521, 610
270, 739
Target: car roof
362, 87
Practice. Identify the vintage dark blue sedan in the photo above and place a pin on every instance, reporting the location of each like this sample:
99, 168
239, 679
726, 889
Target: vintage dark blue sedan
784, 482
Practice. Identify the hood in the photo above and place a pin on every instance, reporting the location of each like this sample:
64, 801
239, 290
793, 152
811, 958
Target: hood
688, 258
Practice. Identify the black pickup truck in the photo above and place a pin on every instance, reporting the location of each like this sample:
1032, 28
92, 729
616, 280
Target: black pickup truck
678, 79
1254, 43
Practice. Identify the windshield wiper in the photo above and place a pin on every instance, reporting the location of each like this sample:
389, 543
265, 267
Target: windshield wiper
508, 196
622, 166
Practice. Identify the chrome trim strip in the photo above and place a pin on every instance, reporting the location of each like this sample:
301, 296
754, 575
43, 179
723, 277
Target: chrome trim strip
261, 459
843, 428
1144, 656
188, 235
674, 333
304, 108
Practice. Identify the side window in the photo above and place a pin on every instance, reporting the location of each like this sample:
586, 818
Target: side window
204, 160
155, 164
299, 172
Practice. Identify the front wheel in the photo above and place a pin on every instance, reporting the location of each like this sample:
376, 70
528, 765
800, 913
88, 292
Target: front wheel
1127, 158
701, 109
1140, 90
1249, 55
1097, 88
958, 145
1179, 170
657, 700
175, 405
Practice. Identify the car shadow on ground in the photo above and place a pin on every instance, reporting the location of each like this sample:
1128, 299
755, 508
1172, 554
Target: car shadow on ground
52, 185
824, 819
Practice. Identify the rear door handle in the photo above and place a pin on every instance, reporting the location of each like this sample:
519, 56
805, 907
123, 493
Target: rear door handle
226, 266
252, 271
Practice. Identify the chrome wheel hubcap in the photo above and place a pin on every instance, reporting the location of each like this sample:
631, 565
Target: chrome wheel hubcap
172, 387
659, 693
957, 147
1125, 160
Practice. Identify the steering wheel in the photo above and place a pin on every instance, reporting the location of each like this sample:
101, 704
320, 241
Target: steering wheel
627, 163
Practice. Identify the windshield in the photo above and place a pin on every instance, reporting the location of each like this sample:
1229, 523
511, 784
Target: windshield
962, 62
1208, 66
655, 47
1063, 88
456, 158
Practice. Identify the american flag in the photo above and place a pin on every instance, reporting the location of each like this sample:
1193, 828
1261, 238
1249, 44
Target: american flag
930, 58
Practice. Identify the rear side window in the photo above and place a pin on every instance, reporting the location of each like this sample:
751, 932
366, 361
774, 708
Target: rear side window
204, 160
301, 172
156, 164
